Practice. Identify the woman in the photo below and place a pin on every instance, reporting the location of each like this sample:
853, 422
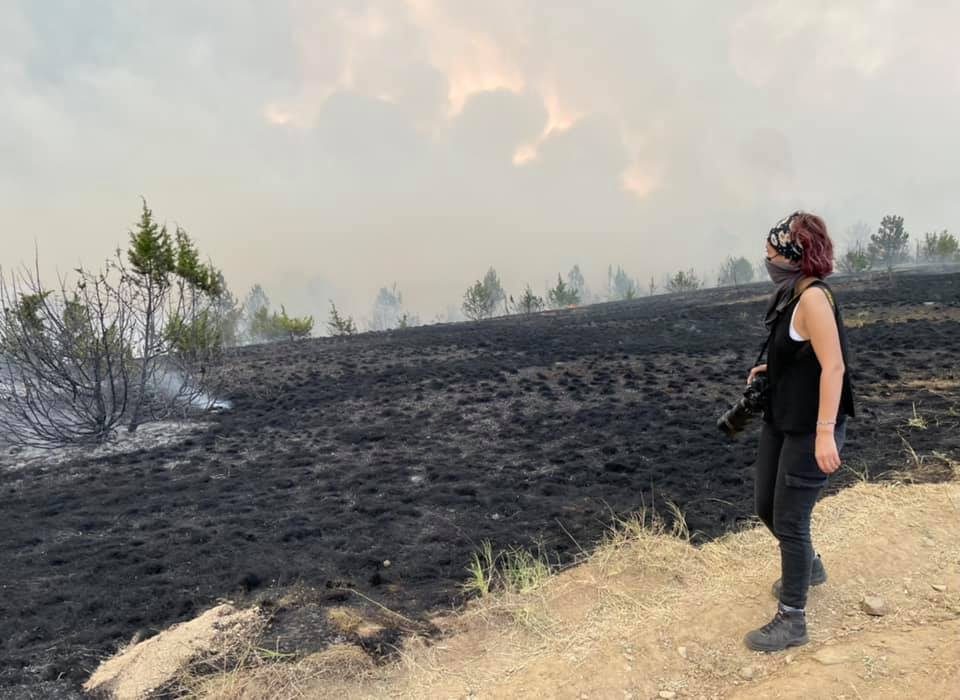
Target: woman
808, 400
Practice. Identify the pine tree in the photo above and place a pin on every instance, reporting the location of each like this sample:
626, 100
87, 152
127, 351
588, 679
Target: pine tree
478, 302
735, 271
888, 245
684, 282
940, 247
338, 324
387, 309
529, 303
152, 257
482, 298
562, 296
577, 283
620, 286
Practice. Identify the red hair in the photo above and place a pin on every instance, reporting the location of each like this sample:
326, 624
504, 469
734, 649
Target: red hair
811, 233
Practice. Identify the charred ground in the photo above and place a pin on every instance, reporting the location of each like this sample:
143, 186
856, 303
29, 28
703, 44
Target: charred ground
414, 446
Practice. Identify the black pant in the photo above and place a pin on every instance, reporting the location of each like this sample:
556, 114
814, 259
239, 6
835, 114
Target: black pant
788, 482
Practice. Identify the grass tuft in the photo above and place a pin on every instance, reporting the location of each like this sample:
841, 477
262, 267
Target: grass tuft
511, 571
481, 569
917, 422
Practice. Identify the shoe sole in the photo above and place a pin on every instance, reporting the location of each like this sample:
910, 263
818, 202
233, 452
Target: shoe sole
770, 649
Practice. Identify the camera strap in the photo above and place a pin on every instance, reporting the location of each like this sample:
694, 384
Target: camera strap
799, 289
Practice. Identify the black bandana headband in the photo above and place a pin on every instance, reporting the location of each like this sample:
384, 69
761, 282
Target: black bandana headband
782, 240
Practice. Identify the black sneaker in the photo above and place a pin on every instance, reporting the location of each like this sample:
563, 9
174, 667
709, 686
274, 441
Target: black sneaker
786, 629
818, 575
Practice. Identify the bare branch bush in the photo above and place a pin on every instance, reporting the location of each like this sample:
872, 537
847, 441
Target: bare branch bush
65, 358
133, 343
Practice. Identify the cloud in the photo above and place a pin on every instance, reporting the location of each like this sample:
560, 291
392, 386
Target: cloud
363, 142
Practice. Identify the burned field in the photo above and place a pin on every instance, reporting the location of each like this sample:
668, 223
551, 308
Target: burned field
412, 447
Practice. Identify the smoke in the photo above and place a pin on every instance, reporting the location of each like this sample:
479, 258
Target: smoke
421, 141
183, 391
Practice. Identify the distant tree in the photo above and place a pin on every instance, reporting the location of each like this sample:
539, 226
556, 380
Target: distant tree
888, 245
652, 288
387, 309
761, 268
265, 326
482, 299
338, 324
735, 271
857, 233
491, 280
529, 303
294, 327
855, 259
562, 295
408, 320
684, 281
577, 283
255, 300
228, 313
620, 285
940, 247
477, 303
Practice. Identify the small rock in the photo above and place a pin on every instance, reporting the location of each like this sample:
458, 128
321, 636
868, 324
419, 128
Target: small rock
387, 563
682, 651
939, 587
861, 580
495, 516
789, 658
667, 694
929, 541
746, 673
873, 605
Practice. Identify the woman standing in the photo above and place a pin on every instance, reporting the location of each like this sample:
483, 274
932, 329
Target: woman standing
808, 400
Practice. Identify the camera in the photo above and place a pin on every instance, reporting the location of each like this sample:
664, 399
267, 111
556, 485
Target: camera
754, 399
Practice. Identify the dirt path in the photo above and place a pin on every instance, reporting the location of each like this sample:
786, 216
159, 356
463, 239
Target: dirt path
657, 618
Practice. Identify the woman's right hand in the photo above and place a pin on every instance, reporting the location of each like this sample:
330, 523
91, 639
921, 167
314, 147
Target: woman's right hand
759, 369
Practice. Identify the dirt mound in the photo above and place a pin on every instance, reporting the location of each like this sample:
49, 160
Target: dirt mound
137, 671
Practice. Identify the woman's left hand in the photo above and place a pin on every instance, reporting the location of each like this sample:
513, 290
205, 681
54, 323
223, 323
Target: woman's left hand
828, 458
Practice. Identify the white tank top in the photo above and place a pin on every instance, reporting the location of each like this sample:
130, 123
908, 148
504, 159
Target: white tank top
793, 330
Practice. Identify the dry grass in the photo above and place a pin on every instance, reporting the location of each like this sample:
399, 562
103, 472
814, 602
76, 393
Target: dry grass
917, 421
643, 587
900, 314
648, 612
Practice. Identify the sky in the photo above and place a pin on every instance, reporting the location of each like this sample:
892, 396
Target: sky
326, 149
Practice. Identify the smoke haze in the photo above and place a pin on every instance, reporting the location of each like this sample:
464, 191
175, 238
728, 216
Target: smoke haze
326, 149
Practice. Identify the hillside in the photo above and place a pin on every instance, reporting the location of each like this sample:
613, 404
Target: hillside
372, 468
653, 617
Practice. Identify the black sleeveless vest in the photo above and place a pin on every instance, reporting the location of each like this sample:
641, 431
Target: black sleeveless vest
793, 399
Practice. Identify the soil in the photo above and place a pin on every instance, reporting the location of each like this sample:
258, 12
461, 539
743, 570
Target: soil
653, 617
412, 447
